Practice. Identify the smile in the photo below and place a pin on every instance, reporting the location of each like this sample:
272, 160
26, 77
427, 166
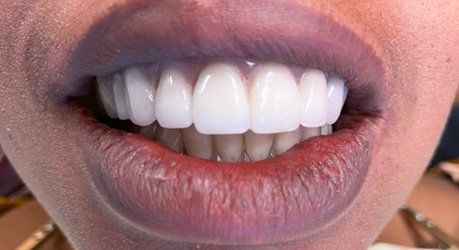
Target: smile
225, 103
256, 136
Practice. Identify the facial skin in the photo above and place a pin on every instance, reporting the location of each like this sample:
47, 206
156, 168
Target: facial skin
416, 41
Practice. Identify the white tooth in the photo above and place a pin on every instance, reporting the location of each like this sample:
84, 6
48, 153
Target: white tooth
149, 131
310, 132
326, 129
258, 146
220, 102
120, 97
313, 90
172, 138
104, 87
284, 141
197, 145
336, 93
174, 99
229, 147
140, 95
274, 100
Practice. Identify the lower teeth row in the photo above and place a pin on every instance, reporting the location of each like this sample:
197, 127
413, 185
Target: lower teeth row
231, 148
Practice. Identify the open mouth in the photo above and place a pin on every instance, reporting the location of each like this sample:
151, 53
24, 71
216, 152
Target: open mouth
214, 137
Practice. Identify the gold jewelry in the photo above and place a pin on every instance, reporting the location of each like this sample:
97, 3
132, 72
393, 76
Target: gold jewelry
430, 227
38, 237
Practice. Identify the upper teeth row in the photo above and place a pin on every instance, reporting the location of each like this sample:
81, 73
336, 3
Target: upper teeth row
222, 100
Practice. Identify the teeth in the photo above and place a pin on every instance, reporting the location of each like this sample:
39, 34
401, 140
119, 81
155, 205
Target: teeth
172, 138
220, 103
336, 98
226, 115
196, 144
229, 147
314, 96
310, 132
140, 93
258, 146
174, 99
274, 99
326, 129
284, 141
104, 87
119, 93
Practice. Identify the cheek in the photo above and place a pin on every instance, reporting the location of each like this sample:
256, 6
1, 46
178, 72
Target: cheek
418, 43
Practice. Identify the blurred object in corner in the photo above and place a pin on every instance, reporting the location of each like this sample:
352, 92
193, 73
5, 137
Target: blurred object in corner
452, 169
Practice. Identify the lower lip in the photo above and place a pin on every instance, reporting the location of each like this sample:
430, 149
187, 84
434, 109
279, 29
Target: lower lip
178, 197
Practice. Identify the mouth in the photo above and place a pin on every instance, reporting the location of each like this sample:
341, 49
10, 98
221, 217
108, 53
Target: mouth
213, 129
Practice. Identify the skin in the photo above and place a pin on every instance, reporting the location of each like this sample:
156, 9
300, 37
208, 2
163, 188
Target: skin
416, 40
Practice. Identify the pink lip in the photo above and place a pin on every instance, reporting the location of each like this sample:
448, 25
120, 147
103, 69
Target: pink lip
182, 198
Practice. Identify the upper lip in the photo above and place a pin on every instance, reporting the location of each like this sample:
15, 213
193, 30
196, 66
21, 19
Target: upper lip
178, 197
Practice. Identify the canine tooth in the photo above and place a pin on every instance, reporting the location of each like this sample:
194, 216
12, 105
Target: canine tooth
196, 144
174, 99
313, 90
326, 129
336, 98
104, 88
220, 102
258, 146
119, 93
310, 132
172, 138
140, 95
274, 100
229, 147
284, 141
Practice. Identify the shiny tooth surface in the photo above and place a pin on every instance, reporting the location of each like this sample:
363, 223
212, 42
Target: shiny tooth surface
314, 98
174, 99
105, 91
220, 101
149, 131
196, 144
229, 147
274, 99
222, 118
140, 94
119, 93
258, 146
336, 98
326, 129
172, 138
310, 132
284, 141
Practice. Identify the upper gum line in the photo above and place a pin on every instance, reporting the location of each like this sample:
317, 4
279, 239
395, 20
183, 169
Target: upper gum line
224, 97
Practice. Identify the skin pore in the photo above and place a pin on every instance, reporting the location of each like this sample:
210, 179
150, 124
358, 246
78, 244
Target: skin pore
416, 41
